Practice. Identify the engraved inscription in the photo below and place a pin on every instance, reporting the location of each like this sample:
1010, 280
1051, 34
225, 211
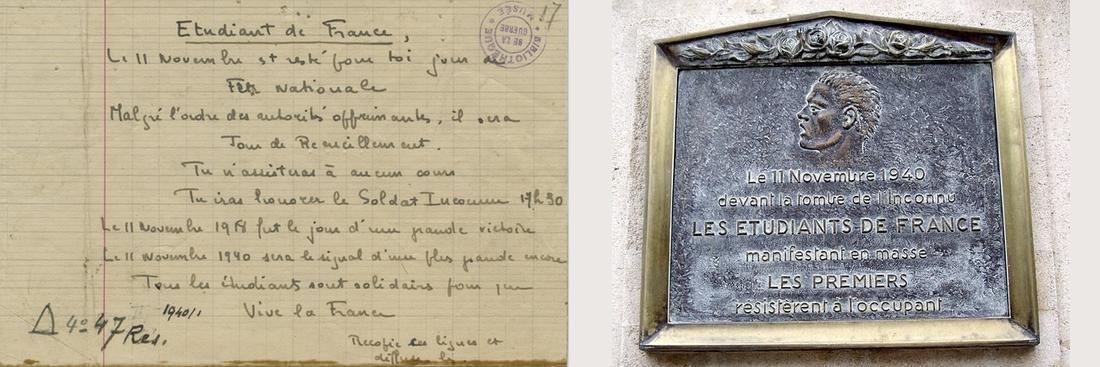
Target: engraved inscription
880, 201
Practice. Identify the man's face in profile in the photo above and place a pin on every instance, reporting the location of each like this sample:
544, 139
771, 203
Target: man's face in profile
822, 119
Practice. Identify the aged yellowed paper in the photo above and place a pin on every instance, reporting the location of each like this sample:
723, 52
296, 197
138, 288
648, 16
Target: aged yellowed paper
262, 182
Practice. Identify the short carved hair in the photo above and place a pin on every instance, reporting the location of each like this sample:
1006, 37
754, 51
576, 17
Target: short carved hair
854, 90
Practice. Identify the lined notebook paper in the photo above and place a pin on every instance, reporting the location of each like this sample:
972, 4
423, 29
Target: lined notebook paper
263, 182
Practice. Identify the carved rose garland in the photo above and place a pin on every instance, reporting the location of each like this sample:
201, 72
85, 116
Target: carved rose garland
828, 39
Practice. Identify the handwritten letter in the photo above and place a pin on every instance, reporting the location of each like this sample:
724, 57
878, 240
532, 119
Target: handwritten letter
353, 182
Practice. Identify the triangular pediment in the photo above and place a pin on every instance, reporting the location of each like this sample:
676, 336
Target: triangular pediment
833, 37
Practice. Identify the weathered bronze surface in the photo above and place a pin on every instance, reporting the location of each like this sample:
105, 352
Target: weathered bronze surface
859, 192
860, 179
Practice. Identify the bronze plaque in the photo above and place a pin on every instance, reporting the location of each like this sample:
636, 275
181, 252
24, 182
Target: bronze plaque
838, 168
836, 192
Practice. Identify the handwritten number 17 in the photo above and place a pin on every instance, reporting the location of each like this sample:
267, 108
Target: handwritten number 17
552, 15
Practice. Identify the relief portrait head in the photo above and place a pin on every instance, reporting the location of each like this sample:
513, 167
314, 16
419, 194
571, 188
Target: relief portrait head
842, 111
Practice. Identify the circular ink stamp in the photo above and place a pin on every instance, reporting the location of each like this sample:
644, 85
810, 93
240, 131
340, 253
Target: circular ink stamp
512, 36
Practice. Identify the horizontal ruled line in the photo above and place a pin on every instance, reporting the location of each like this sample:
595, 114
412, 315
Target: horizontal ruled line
288, 43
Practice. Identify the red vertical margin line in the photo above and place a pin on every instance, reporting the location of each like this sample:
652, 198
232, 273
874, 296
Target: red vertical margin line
103, 351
